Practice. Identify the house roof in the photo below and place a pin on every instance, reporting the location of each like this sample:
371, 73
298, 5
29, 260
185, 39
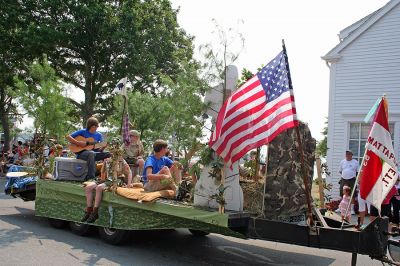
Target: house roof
352, 32
350, 29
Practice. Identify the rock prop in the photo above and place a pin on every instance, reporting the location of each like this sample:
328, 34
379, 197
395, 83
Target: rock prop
285, 198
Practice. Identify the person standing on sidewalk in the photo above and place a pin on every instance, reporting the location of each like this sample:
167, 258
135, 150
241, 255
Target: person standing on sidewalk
348, 170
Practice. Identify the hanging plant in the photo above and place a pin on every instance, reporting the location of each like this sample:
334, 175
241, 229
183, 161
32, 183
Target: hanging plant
114, 165
220, 197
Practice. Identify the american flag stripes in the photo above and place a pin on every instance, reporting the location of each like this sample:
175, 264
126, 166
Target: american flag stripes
258, 111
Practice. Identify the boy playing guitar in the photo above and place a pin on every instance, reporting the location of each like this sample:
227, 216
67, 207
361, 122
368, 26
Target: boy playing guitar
87, 139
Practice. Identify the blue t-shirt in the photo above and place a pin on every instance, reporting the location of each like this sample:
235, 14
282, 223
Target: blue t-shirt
86, 134
156, 165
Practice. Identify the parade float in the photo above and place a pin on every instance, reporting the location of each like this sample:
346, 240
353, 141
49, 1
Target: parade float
277, 207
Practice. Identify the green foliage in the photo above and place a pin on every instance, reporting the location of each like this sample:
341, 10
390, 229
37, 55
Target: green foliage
246, 75
216, 169
206, 155
219, 196
14, 57
322, 146
93, 44
251, 165
218, 56
184, 97
41, 96
176, 110
195, 170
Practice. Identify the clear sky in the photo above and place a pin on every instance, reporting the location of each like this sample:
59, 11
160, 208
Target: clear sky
310, 29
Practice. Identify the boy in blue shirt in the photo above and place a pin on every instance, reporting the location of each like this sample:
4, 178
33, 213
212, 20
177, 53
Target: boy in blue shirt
91, 156
157, 169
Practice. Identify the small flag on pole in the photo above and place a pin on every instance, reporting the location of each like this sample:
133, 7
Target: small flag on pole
125, 129
378, 173
372, 111
120, 88
258, 111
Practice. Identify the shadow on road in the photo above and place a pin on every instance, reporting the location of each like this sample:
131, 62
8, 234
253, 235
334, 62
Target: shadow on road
172, 246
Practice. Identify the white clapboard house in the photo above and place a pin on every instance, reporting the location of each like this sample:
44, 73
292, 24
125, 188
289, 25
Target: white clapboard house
363, 66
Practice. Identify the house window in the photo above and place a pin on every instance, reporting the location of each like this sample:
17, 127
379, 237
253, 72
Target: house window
358, 138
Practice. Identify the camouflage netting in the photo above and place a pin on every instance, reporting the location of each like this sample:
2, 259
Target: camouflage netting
285, 198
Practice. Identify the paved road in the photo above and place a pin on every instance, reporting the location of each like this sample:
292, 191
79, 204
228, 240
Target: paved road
29, 240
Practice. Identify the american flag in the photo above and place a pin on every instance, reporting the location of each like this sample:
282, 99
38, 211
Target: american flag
258, 111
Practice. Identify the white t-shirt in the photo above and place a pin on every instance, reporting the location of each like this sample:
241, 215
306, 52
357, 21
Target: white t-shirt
348, 169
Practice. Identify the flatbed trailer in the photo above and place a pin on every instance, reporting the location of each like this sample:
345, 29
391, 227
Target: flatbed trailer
63, 204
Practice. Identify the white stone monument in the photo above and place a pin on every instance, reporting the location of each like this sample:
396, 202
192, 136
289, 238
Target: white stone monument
206, 186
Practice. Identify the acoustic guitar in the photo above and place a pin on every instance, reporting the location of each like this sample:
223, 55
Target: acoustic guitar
92, 144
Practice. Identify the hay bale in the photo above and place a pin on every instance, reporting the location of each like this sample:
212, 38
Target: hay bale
253, 196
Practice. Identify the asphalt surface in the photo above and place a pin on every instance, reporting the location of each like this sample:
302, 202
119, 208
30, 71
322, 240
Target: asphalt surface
29, 240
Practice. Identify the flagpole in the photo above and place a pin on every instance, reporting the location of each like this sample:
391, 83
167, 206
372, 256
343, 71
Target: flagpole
299, 142
353, 190
356, 182
265, 182
123, 113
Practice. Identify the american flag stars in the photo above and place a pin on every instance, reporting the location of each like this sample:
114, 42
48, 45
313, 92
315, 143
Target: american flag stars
274, 78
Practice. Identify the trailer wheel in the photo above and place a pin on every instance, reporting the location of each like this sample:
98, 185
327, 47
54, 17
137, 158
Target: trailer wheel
56, 223
80, 229
113, 236
198, 233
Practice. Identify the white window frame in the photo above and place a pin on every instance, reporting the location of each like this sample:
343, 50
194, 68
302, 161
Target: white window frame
359, 118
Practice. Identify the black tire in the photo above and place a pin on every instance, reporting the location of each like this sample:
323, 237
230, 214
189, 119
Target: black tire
56, 223
113, 236
80, 229
198, 233
28, 196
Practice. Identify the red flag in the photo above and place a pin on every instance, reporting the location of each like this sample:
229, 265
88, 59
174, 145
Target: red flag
258, 111
378, 172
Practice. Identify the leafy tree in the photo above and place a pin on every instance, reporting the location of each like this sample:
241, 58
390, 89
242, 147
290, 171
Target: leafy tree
13, 60
147, 113
176, 111
41, 96
92, 44
218, 57
322, 146
185, 98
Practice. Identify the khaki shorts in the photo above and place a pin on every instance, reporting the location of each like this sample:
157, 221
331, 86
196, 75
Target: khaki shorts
131, 160
155, 185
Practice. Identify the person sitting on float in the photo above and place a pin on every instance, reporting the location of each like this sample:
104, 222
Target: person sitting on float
159, 170
123, 173
134, 152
